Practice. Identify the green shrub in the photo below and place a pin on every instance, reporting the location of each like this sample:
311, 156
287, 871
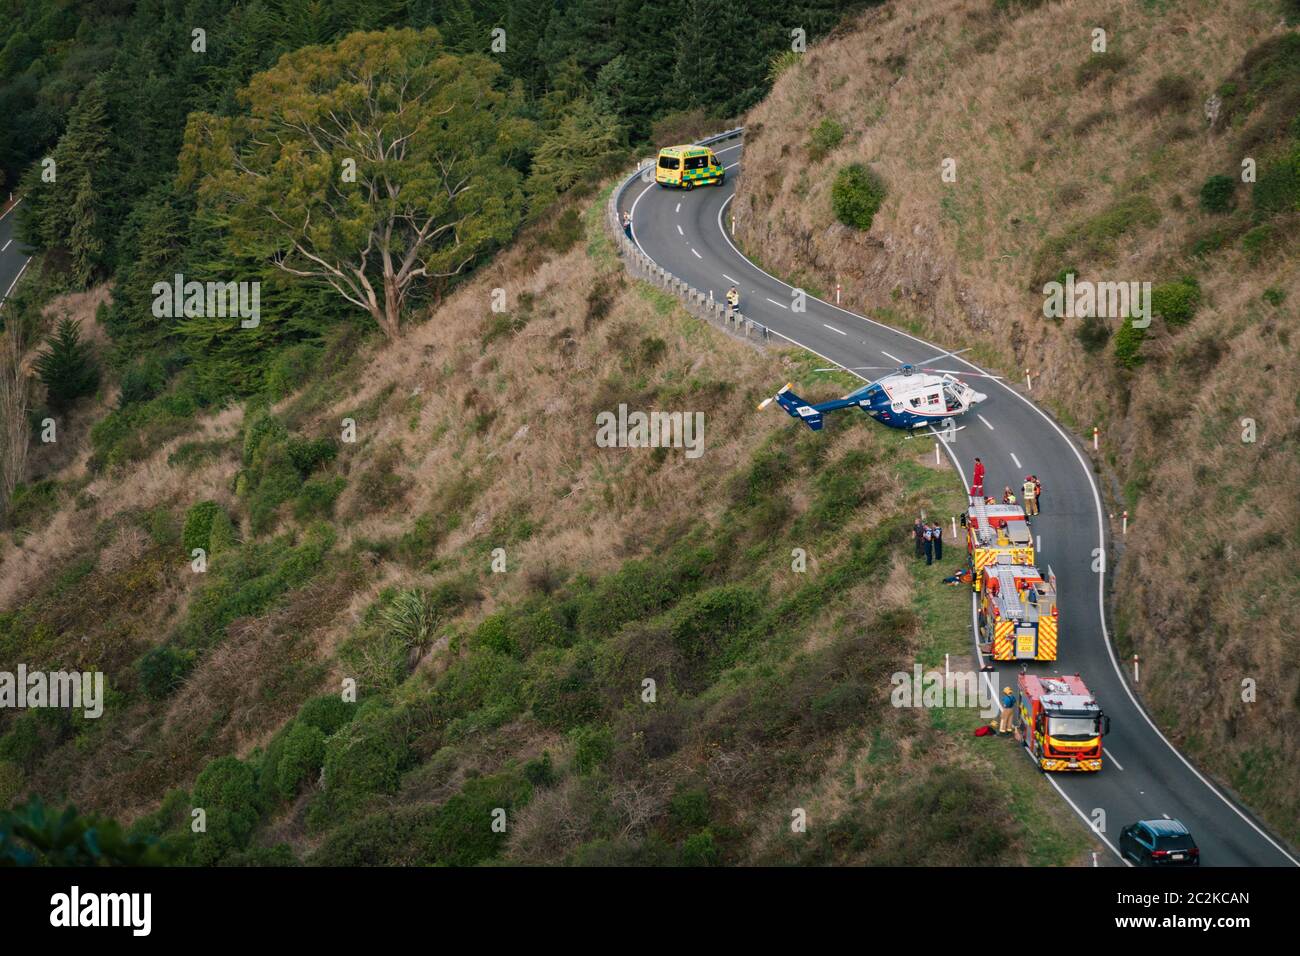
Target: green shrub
143, 381
1176, 302
300, 760
826, 135
856, 196
365, 757
689, 809
1258, 242
327, 713
462, 833
316, 497
540, 771
163, 669
226, 790
565, 233
593, 745
1216, 193
221, 535
1128, 345
1277, 190
198, 525
561, 688
1274, 295
699, 850
308, 454
290, 369
1093, 333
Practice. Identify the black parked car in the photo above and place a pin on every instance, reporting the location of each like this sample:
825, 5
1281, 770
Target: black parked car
1159, 843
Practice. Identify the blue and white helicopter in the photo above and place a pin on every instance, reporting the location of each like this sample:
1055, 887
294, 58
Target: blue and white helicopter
911, 397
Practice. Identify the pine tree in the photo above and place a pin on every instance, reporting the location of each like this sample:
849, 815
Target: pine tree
67, 367
85, 243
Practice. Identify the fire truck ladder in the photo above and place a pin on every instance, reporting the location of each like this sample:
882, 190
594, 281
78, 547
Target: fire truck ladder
1007, 587
983, 530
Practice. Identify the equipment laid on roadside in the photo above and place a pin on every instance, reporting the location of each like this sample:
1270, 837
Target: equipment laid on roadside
1060, 723
994, 531
1018, 616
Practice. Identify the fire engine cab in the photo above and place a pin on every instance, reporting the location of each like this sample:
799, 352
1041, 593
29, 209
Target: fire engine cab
1060, 723
993, 531
1018, 616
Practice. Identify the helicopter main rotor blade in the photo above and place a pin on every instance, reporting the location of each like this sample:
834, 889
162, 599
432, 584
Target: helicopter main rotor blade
935, 358
949, 371
857, 368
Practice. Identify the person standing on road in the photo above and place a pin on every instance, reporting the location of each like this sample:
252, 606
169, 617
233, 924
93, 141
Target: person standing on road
937, 530
929, 545
1008, 703
733, 299
977, 485
1038, 494
1030, 491
627, 224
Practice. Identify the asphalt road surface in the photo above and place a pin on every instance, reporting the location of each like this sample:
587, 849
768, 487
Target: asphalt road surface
1143, 776
13, 259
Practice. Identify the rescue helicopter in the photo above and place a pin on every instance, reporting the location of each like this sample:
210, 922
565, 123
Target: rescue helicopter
912, 396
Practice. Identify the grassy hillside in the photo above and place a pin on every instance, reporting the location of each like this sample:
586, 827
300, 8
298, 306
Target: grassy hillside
522, 689
1123, 165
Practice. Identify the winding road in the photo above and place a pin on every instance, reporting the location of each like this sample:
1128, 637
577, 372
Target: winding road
1144, 776
13, 259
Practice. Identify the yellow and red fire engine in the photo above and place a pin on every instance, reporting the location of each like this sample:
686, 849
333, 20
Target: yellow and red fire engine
993, 531
1018, 616
1060, 723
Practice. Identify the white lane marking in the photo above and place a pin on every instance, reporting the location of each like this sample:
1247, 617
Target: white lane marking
1101, 536
6, 245
729, 279
678, 209
1111, 757
774, 302
1038, 543
985, 421
4, 298
697, 255
13, 207
679, 230
834, 329
894, 357
1166, 816
1015, 459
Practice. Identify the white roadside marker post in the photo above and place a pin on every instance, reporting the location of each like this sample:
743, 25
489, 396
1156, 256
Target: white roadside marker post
1125, 525
1135, 668
1095, 432
1029, 381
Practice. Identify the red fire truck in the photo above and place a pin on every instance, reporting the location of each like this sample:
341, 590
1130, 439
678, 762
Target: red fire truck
1060, 722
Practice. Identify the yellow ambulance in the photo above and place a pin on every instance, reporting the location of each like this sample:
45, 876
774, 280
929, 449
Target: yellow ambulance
688, 167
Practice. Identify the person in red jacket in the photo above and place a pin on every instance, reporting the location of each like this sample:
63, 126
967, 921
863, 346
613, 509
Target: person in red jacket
977, 488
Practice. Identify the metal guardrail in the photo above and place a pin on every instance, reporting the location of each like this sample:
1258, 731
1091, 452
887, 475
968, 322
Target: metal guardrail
697, 303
